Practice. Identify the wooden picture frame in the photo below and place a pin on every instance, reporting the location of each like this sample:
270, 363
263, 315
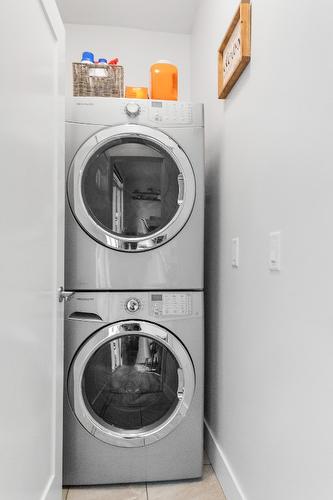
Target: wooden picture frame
234, 53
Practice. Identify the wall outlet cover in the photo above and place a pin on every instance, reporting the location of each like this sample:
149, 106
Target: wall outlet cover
235, 252
275, 251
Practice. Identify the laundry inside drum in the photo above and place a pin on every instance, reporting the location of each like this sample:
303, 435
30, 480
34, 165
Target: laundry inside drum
131, 383
131, 187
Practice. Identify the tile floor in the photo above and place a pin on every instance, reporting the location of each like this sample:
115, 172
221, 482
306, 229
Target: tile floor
207, 488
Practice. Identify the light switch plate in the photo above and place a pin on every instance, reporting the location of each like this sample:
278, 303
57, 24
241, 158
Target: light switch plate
235, 252
275, 251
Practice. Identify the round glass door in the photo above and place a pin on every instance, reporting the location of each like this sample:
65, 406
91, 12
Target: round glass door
131, 187
131, 383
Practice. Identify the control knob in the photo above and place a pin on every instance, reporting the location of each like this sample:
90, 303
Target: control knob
132, 109
133, 305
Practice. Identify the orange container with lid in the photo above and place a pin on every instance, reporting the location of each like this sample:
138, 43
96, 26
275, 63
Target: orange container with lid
164, 81
136, 92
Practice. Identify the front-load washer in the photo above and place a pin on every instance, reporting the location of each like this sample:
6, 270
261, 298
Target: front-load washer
133, 399
135, 195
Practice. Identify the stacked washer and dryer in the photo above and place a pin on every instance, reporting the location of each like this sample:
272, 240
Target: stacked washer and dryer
133, 405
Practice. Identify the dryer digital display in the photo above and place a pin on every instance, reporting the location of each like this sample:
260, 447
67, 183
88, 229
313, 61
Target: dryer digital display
156, 104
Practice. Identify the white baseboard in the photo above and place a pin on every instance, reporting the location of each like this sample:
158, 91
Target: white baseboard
221, 467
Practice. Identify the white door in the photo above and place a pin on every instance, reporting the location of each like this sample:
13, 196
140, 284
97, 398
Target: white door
31, 235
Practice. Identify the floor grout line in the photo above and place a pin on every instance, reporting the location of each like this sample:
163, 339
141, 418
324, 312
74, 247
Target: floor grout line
147, 491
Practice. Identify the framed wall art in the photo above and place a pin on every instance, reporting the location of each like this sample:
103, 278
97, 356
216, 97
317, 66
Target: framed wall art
234, 53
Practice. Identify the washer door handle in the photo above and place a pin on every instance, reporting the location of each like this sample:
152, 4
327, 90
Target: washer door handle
180, 189
130, 327
137, 327
181, 385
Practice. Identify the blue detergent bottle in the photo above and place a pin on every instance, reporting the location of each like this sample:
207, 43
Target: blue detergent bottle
87, 58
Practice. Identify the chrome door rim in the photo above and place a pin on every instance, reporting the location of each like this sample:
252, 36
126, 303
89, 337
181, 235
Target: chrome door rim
146, 435
112, 240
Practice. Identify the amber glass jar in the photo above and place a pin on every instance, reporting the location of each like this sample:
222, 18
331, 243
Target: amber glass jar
164, 81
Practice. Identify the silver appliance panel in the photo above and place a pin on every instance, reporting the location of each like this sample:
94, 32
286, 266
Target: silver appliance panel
110, 111
157, 305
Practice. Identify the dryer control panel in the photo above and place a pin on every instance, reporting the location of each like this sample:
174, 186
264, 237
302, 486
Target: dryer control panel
170, 112
171, 304
110, 111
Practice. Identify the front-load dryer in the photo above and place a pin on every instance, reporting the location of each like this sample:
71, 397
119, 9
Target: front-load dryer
133, 399
135, 195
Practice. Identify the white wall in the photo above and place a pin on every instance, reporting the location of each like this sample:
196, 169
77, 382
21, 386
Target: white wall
136, 50
270, 335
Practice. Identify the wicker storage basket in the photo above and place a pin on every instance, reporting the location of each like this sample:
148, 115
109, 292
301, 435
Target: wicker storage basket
101, 80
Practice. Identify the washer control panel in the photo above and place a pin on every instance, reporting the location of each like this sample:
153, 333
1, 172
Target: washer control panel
132, 305
170, 304
170, 112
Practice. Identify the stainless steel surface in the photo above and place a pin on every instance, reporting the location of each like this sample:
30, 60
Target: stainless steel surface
166, 114
186, 198
156, 306
177, 455
174, 263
